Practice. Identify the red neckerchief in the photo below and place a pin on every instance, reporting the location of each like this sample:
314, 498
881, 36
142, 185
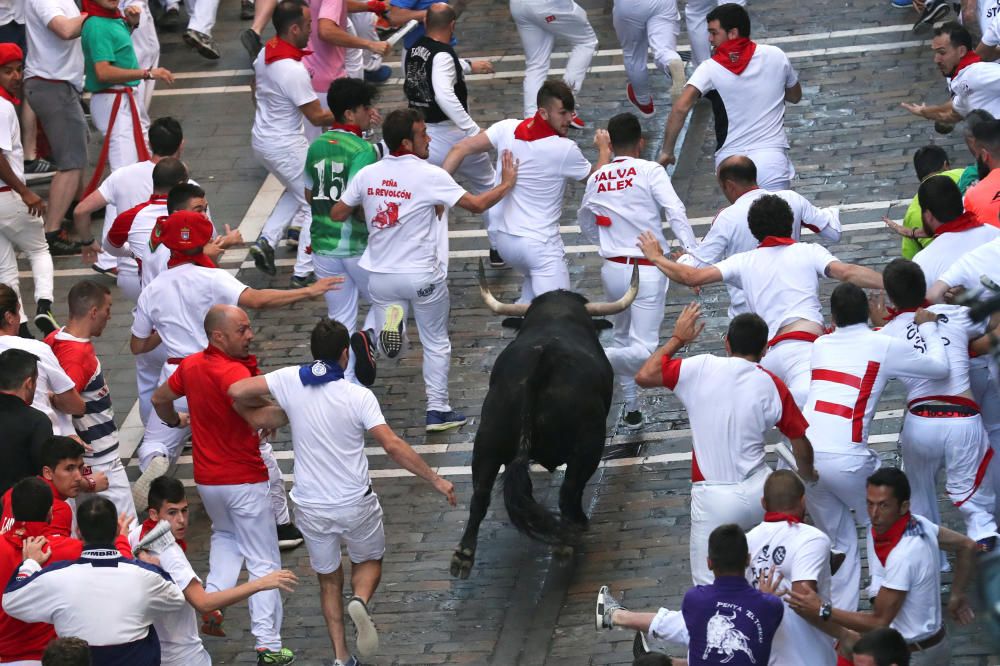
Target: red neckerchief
777, 517
735, 54
894, 312
179, 258
250, 362
9, 97
399, 152
885, 542
92, 9
534, 128
154, 236
22, 529
970, 58
776, 241
149, 524
963, 222
346, 127
278, 49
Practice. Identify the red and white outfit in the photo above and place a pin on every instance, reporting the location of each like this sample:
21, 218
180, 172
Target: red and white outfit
952, 241
526, 221
97, 425
123, 189
799, 552
943, 427
730, 234
850, 368
623, 199
642, 25
407, 253
696, 20
750, 80
974, 84
52, 379
278, 140
61, 522
147, 49
780, 281
731, 404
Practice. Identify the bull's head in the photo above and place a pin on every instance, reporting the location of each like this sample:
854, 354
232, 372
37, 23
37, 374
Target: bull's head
593, 309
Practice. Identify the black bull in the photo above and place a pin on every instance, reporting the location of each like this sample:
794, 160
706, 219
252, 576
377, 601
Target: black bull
548, 401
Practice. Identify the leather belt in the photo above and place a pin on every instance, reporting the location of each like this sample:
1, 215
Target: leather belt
943, 411
927, 643
638, 261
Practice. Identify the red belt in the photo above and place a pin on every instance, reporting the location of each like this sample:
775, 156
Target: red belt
801, 336
638, 261
174, 360
140, 141
962, 406
6, 188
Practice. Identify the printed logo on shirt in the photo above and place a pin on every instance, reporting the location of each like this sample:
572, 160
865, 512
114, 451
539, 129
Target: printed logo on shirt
550, 18
779, 554
722, 636
614, 180
387, 216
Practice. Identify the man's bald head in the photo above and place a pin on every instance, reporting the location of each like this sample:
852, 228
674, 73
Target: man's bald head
217, 317
228, 328
440, 15
738, 169
783, 491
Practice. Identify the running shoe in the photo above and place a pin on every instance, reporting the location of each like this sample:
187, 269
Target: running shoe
211, 624
363, 346
645, 110
441, 421
367, 639
606, 606
391, 336
302, 281
289, 537
202, 43
577, 122
263, 256
278, 657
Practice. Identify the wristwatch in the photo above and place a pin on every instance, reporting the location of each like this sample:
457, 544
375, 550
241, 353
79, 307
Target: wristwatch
825, 611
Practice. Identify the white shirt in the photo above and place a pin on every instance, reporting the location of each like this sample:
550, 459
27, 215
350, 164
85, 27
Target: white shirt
282, 88
51, 379
533, 208
948, 248
400, 196
10, 139
128, 186
976, 86
730, 233
731, 403
799, 552
991, 28
781, 284
623, 199
850, 368
139, 234
11, 10
50, 57
443, 80
969, 269
176, 302
329, 422
912, 567
989, 12
753, 102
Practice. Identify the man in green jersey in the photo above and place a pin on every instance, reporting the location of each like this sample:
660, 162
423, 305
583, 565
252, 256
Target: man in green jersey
331, 162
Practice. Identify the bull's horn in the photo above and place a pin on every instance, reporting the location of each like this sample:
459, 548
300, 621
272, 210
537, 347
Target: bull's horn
507, 309
605, 309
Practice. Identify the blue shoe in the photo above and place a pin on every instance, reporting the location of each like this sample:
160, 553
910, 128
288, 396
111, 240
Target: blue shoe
902, 4
987, 545
440, 421
380, 75
292, 236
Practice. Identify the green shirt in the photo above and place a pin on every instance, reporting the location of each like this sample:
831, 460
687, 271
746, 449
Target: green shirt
969, 178
106, 40
913, 219
332, 161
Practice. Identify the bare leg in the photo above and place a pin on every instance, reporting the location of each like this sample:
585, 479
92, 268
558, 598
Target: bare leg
365, 578
64, 187
262, 10
626, 619
29, 131
331, 589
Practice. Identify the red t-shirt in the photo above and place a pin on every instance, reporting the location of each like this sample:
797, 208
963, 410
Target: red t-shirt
225, 449
62, 514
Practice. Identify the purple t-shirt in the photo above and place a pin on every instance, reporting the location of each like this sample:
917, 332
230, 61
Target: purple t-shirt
729, 622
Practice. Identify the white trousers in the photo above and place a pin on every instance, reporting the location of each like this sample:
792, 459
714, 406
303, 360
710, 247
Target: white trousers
128, 280
774, 169
543, 265
122, 145
637, 329
202, 15
840, 490
160, 439
148, 368
286, 160
243, 532
119, 491
958, 445
715, 503
695, 16
275, 485
359, 61
147, 52
475, 171
342, 304
640, 26
20, 230
539, 23
790, 361
427, 295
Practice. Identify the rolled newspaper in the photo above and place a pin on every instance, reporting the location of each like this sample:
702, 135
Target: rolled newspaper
402, 32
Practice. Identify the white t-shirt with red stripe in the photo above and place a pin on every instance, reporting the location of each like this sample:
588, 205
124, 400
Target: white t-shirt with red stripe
130, 232
731, 404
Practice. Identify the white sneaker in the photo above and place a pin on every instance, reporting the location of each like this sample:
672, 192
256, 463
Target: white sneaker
158, 466
367, 639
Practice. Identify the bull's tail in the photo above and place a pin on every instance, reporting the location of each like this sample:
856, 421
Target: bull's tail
527, 515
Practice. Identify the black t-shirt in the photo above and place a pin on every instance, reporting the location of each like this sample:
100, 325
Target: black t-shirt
24, 430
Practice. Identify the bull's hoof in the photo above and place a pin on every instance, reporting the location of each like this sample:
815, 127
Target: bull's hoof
564, 552
461, 562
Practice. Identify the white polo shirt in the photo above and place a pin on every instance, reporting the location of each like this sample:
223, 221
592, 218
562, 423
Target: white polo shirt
50, 57
799, 552
913, 566
976, 86
51, 379
407, 232
10, 139
282, 87
329, 422
623, 199
781, 284
176, 302
731, 404
533, 208
753, 102
949, 247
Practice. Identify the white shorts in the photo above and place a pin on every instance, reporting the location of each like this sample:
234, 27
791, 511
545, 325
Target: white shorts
359, 526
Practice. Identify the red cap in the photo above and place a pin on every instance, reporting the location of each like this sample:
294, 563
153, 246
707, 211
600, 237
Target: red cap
9, 52
185, 230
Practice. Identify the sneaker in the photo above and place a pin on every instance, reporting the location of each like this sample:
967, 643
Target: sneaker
640, 645
38, 166
45, 321
202, 43
367, 639
496, 261
901, 4
943, 128
645, 110
211, 624
111, 272
933, 10
391, 336
363, 346
251, 42
441, 421
158, 466
353, 661
263, 256
987, 545
246, 10
678, 78
170, 19
380, 75
632, 420
603, 324
289, 537
577, 122
302, 281
292, 236
277, 657
606, 606
60, 245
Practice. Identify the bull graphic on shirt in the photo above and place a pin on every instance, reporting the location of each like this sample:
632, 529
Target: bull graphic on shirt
387, 216
722, 636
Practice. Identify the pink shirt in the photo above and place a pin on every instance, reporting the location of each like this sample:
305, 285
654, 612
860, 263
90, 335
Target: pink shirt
326, 63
